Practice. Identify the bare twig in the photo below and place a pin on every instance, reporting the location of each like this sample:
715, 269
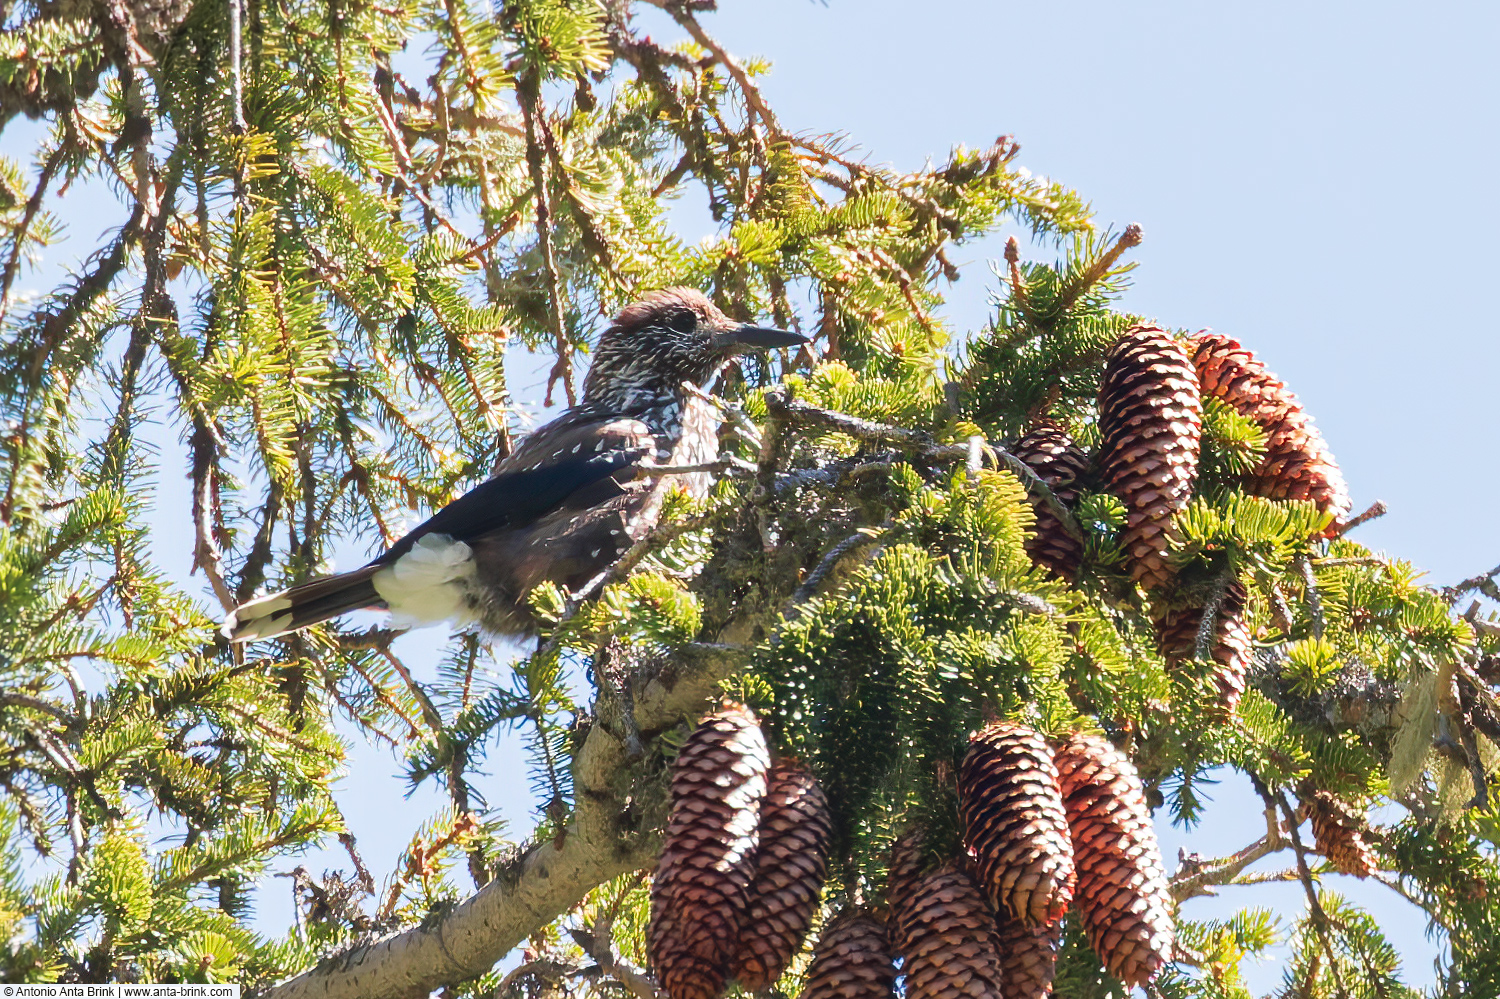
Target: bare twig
606, 666
1334, 563
794, 411
13, 700
1466, 737
1457, 590
236, 73
206, 552
366, 880
1281, 612
1198, 877
659, 535
726, 464
429, 710
1320, 919
1376, 509
814, 581
19, 232
738, 419
1034, 483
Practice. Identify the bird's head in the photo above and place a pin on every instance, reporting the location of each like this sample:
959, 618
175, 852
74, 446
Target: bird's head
666, 338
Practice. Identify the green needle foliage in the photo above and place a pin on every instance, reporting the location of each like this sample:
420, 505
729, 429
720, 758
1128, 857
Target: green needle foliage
338, 227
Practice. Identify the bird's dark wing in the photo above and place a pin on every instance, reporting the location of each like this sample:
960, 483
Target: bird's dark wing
522, 494
570, 464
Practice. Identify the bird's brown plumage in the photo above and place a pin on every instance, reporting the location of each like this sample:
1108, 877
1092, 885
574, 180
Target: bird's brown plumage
568, 502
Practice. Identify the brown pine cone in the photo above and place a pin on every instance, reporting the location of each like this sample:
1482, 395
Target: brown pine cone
1058, 462
701, 889
908, 864
946, 936
1014, 823
852, 960
1150, 422
1028, 957
1122, 896
1177, 638
1298, 464
789, 870
1339, 830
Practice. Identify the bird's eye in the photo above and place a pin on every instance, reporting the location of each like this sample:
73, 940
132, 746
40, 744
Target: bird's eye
682, 321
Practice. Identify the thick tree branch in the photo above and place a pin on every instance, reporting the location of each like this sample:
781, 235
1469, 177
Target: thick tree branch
1196, 876
601, 843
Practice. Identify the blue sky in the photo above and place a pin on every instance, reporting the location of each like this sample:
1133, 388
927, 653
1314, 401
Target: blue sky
1314, 179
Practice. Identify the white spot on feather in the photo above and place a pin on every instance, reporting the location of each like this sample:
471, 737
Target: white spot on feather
427, 585
253, 619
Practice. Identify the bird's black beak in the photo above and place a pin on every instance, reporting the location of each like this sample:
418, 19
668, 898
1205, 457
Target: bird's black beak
743, 339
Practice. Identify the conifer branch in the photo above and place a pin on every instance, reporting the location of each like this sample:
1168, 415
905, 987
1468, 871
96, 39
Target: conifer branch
14, 700
206, 552
859, 539
529, 92
753, 99
1099, 269
729, 464
23, 227
867, 430
430, 713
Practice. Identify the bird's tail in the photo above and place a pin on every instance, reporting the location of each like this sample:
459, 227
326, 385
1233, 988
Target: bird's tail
303, 605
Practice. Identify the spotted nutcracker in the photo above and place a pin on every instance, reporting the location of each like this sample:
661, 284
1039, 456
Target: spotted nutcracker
567, 503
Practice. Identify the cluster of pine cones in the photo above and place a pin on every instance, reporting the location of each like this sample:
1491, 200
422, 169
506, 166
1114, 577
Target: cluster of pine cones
1046, 828
1150, 423
742, 863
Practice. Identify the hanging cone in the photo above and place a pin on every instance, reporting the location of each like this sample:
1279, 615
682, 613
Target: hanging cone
851, 961
1014, 823
1339, 831
1028, 957
789, 870
1150, 421
1052, 455
1122, 895
908, 865
1298, 464
701, 888
1177, 638
946, 936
